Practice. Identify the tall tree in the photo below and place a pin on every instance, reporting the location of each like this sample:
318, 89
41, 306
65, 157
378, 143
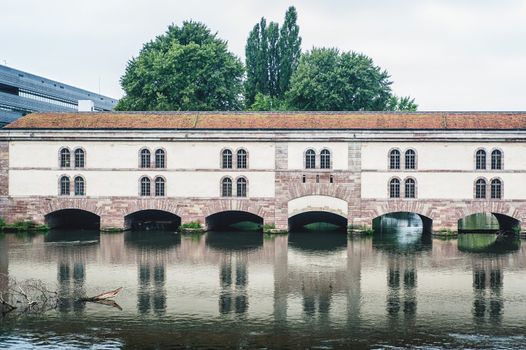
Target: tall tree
186, 68
326, 79
289, 48
272, 54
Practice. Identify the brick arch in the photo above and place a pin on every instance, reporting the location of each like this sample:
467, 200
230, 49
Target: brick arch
409, 206
497, 207
248, 206
72, 203
297, 190
168, 206
318, 203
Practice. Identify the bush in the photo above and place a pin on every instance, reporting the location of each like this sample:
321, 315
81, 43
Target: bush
192, 225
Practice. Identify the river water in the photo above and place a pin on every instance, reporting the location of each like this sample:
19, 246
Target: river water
316, 290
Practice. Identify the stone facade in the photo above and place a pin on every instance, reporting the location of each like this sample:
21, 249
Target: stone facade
358, 174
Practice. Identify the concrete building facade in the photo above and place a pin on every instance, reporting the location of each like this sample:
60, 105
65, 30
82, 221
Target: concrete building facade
285, 169
22, 93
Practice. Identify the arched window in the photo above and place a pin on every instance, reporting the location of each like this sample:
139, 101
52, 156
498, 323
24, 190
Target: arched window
80, 186
410, 159
394, 159
64, 186
496, 189
325, 159
496, 160
480, 160
145, 186
145, 158
310, 159
227, 159
241, 159
226, 187
159, 187
79, 158
410, 188
160, 158
480, 188
65, 158
394, 188
241, 187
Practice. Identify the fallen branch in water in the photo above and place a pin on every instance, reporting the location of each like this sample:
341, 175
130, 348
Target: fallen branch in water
103, 296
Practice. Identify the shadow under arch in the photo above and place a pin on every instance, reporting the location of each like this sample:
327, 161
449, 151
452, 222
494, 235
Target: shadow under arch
234, 241
313, 242
152, 219
488, 222
229, 220
317, 220
72, 219
484, 243
160, 240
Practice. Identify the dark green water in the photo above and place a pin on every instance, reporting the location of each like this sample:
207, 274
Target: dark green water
319, 290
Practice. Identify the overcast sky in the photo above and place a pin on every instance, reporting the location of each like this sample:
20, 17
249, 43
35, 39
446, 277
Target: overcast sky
447, 54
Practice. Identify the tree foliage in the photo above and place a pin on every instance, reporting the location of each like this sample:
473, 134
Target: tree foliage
327, 79
186, 68
271, 55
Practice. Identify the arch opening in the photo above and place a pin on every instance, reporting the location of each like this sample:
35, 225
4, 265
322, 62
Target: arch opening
317, 221
402, 232
234, 220
152, 220
486, 222
396, 222
72, 219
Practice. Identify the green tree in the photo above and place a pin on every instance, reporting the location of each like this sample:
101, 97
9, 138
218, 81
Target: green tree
326, 79
271, 55
289, 49
186, 68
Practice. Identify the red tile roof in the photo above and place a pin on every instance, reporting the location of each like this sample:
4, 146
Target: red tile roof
273, 120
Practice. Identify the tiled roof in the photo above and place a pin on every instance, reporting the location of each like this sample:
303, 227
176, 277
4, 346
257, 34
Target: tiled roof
273, 120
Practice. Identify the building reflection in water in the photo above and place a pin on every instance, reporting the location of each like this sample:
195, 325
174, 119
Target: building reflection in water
403, 239
4, 264
233, 280
151, 292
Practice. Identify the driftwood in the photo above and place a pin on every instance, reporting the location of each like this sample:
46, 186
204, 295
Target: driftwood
103, 296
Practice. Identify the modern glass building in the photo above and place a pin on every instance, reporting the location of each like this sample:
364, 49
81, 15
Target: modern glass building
22, 93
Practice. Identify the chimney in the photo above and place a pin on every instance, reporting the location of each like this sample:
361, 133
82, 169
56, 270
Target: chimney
86, 106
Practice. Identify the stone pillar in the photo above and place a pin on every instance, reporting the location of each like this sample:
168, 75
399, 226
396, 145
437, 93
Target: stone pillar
281, 187
112, 222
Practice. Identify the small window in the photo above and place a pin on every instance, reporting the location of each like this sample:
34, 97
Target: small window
80, 186
241, 187
64, 186
317, 179
65, 158
145, 186
410, 159
226, 187
145, 158
79, 158
310, 159
394, 188
160, 159
410, 188
304, 178
480, 189
159, 187
480, 160
325, 159
331, 179
227, 159
496, 189
241, 159
394, 159
496, 160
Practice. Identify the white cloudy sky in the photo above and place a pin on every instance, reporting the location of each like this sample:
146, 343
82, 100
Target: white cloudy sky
448, 54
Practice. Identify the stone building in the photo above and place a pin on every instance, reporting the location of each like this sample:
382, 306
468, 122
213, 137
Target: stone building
286, 169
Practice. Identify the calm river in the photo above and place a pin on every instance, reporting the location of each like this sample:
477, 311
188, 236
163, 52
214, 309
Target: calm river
315, 290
